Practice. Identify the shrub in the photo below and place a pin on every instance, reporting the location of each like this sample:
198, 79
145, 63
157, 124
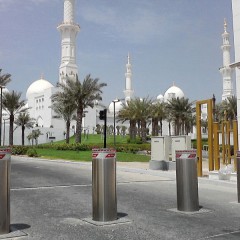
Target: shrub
138, 140
130, 147
32, 152
19, 150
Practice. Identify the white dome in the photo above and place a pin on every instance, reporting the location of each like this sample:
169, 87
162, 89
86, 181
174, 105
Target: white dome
38, 86
160, 98
5, 90
118, 107
173, 92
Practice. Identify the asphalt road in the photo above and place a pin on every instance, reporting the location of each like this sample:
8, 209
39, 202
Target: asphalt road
52, 199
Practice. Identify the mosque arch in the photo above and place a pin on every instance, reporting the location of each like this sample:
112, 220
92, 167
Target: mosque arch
39, 121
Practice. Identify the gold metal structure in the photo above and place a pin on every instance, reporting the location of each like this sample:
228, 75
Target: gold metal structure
210, 108
226, 128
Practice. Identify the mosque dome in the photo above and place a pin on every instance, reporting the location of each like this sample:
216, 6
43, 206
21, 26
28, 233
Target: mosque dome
173, 92
118, 107
160, 98
38, 86
5, 90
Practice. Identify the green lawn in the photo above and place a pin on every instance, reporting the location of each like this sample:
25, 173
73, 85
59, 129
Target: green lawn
87, 155
51, 153
97, 139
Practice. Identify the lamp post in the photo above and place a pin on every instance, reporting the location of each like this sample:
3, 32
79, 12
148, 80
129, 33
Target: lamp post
114, 127
4, 120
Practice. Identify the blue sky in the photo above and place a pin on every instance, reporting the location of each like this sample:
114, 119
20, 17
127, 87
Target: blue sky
168, 40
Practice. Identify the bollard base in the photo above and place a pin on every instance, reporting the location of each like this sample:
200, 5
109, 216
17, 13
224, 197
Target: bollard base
200, 211
162, 165
123, 220
14, 233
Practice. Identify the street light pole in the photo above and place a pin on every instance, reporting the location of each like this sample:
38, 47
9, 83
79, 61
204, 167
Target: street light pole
114, 132
4, 120
114, 122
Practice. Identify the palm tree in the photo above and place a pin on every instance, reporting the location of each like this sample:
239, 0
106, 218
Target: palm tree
180, 110
34, 135
123, 130
143, 113
111, 129
127, 113
137, 111
219, 115
230, 107
4, 79
65, 108
24, 121
158, 114
13, 105
98, 129
118, 129
82, 95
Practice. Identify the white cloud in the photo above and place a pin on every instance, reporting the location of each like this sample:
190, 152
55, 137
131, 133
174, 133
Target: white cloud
140, 25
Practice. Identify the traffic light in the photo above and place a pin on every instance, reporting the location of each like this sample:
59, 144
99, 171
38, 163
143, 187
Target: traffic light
103, 114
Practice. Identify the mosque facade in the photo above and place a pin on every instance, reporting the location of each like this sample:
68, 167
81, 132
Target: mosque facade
40, 91
236, 65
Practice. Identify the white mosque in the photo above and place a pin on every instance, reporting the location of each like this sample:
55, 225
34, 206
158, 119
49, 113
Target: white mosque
39, 93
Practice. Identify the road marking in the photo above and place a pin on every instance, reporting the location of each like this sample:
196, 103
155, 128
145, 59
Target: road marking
220, 235
51, 187
145, 181
82, 185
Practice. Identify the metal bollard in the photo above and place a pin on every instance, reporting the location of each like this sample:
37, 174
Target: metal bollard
104, 199
187, 181
238, 175
5, 169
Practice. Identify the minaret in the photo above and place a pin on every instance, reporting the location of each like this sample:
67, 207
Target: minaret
226, 70
128, 92
68, 30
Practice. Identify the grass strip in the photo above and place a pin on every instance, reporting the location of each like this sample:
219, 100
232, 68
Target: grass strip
86, 156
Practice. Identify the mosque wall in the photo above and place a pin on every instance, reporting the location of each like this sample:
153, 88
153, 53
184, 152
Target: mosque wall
39, 107
236, 30
48, 135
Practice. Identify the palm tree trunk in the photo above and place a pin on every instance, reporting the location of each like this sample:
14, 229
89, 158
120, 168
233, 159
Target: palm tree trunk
161, 127
67, 131
144, 132
79, 126
139, 128
169, 128
23, 129
183, 128
132, 130
177, 127
154, 127
11, 129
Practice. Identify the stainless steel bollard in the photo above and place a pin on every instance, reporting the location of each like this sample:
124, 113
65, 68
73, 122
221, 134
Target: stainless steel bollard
104, 198
5, 169
238, 175
187, 181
